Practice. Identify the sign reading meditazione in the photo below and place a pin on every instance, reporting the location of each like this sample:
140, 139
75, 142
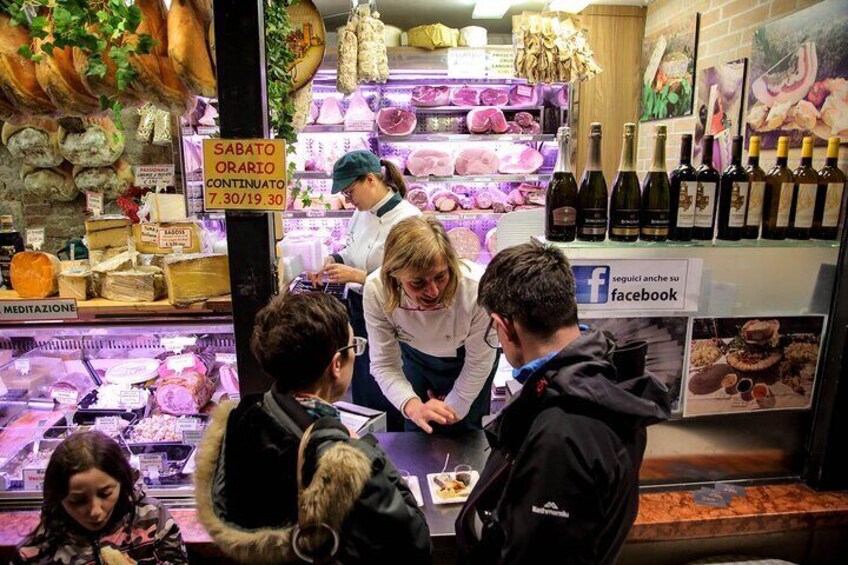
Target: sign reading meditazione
244, 174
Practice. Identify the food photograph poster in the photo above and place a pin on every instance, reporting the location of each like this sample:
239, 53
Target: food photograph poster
752, 364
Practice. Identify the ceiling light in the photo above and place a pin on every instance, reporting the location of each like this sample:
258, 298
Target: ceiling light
569, 6
490, 9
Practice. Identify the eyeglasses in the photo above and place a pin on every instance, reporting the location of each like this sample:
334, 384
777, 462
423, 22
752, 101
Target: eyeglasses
359, 344
491, 335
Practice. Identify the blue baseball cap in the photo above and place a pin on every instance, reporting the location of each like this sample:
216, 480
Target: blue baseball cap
353, 165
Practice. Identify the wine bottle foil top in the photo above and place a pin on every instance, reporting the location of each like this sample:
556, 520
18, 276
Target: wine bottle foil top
595, 129
564, 132
662, 131
629, 130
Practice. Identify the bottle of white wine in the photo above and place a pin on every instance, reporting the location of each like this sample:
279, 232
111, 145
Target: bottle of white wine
624, 203
561, 198
829, 197
656, 204
756, 193
778, 199
592, 200
804, 195
733, 195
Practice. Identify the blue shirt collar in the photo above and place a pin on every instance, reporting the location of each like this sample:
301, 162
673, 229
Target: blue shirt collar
523, 373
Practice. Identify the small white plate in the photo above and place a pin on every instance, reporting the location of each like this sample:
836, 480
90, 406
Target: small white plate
134, 371
434, 488
415, 486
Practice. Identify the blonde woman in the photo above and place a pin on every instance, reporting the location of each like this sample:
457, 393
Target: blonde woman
429, 351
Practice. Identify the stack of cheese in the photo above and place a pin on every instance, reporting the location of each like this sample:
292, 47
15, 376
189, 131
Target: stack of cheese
165, 226
196, 277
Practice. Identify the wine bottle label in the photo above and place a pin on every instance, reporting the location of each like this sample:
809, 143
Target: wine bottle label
738, 199
785, 204
655, 222
832, 204
625, 222
686, 205
566, 216
755, 203
705, 204
594, 221
804, 205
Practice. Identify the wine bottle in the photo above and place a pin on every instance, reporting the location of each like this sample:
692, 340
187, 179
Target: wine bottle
592, 200
656, 194
733, 195
757, 180
624, 204
777, 201
683, 188
561, 198
829, 195
705, 197
11, 243
804, 194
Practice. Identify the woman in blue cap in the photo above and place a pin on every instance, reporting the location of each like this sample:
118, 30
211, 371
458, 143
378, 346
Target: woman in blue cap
379, 201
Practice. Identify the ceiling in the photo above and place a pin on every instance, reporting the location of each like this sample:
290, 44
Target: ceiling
453, 13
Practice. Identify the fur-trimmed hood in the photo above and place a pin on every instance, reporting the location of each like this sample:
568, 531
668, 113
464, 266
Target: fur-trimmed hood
337, 483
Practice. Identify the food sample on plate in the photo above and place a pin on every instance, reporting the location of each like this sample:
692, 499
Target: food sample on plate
705, 352
798, 368
452, 485
160, 428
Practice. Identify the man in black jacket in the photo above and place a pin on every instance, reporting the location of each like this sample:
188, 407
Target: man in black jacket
562, 478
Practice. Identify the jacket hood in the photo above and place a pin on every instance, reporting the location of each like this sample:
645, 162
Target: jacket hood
336, 485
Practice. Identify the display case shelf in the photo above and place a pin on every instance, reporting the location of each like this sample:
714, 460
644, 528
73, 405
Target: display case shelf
337, 128
481, 178
437, 137
458, 109
716, 244
441, 216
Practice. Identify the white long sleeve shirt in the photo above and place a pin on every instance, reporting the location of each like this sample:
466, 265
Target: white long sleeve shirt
367, 233
438, 333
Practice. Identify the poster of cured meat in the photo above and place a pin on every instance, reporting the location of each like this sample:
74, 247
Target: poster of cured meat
718, 109
797, 80
752, 364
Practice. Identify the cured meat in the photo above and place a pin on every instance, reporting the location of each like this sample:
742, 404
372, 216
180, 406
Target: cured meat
35, 142
396, 121
429, 96
521, 159
465, 97
185, 393
426, 162
515, 197
331, 112
228, 379
523, 95
477, 161
524, 119
419, 198
17, 73
532, 129
494, 97
491, 241
445, 201
359, 116
494, 199
513, 128
789, 84
484, 120
466, 243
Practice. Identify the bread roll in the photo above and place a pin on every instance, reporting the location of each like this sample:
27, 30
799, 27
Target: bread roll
35, 142
55, 183
18, 79
98, 144
188, 50
59, 79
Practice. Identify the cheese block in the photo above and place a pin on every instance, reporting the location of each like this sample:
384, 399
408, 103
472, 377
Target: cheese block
197, 277
166, 207
142, 284
145, 243
35, 274
106, 223
115, 237
119, 262
76, 285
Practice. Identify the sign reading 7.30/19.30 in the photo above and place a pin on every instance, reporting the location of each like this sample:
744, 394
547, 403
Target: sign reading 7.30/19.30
244, 174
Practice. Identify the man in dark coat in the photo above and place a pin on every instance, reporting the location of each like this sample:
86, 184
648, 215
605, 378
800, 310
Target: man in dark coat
562, 478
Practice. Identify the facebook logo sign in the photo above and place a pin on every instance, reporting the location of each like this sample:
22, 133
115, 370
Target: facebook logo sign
593, 284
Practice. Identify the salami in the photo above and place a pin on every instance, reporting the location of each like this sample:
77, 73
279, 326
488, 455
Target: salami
492, 241
419, 198
445, 201
185, 393
466, 243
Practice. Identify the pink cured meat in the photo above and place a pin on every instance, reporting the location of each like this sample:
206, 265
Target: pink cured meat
313, 113
419, 198
466, 202
359, 113
477, 161
532, 129
521, 160
513, 128
429, 96
536, 198
466, 243
486, 119
515, 197
186, 393
491, 241
494, 97
465, 97
425, 162
445, 201
523, 95
228, 379
396, 121
198, 367
524, 119
331, 112
559, 97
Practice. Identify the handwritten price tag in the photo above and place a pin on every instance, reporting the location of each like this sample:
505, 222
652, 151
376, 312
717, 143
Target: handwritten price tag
148, 461
94, 202
226, 358
131, 398
69, 397
192, 437
107, 424
34, 479
35, 238
149, 233
185, 424
177, 343
174, 237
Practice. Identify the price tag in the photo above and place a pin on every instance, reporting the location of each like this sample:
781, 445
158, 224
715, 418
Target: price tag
207, 130
34, 479
22, 366
466, 62
524, 90
108, 424
192, 437
315, 213
148, 461
63, 396
35, 238
500, 62
226, 358
179, 363
173, 237
188, 130
444, 217
154, 176
177, 343
184, 424
94, 202
149, 233
131, 398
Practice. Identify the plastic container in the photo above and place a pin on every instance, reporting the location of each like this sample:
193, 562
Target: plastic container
310, 246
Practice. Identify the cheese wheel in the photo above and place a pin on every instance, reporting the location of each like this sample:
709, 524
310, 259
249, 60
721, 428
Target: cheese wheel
35, 274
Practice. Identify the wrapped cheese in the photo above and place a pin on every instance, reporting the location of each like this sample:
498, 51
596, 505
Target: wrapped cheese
433, 36
17, 73
56, 183
34, 142
94, 142
78, 285
112, 180
141, 284
196, 277
35, 274
473, 36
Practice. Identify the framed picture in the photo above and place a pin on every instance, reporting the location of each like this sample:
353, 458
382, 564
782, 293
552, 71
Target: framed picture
797, 80
668, 70
718, 110
752, 364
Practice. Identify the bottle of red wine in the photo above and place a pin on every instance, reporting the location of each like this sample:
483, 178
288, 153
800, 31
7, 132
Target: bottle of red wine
804, 195
592, 200
829, 196
561, 198
733, 195
624, 203
683, 189
778, 198
11, 243
756, 192
705, 197
656, 194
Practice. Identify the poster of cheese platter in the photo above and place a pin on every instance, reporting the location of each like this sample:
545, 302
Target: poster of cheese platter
752, 364
798, 76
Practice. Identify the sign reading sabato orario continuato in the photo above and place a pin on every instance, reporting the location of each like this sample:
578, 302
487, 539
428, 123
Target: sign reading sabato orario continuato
40, 310
244, 174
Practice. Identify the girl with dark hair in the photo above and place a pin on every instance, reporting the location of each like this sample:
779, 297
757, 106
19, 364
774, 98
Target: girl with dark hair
93, 513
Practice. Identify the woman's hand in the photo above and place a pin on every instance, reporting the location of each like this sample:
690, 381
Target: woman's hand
317, 278
344, 274
434, 410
